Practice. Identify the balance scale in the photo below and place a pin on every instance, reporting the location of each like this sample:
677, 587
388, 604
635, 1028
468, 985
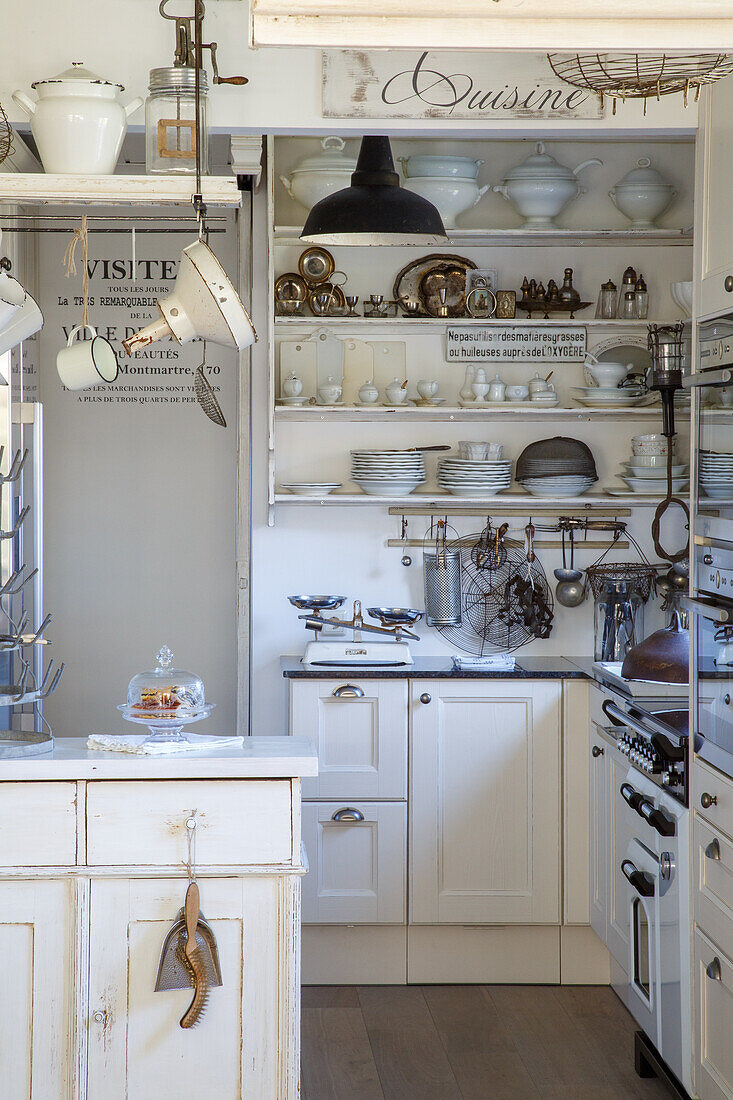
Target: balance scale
394, 621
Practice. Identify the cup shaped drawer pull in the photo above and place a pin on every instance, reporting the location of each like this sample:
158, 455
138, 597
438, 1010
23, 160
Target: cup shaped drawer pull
348, 813
713, 970
713, 849
348, 691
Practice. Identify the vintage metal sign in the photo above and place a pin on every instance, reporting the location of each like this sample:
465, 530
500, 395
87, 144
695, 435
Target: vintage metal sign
437, 85
516, 343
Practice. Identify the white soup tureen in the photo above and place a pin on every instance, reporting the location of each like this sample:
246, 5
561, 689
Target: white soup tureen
316, 177
540, 187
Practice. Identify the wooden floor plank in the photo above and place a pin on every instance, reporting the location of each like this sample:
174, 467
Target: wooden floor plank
329, 996
337, 1061
407, 1050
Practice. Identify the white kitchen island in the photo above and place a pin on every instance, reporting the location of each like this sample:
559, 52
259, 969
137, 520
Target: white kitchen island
92, 876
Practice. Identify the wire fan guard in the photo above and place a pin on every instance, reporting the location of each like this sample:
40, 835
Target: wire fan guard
641, 76
492, 620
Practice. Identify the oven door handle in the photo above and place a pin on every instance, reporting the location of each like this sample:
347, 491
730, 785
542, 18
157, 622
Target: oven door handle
709, 609
708, 378
640, 880
634, 798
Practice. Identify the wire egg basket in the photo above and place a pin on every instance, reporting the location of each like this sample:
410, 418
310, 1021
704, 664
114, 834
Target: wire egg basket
641, 76
6, 135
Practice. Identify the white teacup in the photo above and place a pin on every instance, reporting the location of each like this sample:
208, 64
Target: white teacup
426, 389
85, 363
496, 450
517, 393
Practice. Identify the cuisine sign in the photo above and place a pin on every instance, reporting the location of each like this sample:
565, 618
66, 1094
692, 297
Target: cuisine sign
438, 85
516, 343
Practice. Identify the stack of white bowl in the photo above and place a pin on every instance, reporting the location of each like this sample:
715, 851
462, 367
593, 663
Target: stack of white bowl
646, 469
479, 471
387, 473
716, 474
557, 485
608, 392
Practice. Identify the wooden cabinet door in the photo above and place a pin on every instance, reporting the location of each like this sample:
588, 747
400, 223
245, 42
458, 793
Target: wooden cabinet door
359, 728
485, 802
357, 855
599, 756
39, 1054
713, 221
713, 1016
246, 1044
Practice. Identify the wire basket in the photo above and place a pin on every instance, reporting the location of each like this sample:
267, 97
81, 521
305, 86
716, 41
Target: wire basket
640, 76
6, 135
642, 576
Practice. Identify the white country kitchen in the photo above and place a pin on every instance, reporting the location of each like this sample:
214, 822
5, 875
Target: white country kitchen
366, 550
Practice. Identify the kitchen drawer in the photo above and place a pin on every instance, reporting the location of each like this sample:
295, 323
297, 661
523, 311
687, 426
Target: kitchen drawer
357, 852
713, 884
713, 979
144, 823
37, 824
708, 781
359, 728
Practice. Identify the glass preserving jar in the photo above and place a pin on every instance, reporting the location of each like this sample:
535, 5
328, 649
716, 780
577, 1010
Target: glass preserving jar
170, 121
619, 620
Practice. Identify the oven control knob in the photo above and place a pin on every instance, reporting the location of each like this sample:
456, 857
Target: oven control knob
707, 559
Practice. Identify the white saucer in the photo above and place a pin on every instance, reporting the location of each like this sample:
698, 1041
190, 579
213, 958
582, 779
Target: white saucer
292, 400
329, 404
423, 402
397, 404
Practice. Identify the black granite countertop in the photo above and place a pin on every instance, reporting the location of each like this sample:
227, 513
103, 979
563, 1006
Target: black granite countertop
441, 668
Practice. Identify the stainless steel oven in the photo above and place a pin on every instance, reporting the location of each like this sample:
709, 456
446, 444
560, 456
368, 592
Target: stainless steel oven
712, 432
712, 681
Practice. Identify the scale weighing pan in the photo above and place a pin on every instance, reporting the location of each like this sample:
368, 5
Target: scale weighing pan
18, 743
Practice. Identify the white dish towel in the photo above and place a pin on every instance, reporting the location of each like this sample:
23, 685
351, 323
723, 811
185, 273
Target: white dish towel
134, 743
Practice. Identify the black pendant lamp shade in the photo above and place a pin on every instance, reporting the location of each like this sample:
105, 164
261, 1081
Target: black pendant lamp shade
375, 209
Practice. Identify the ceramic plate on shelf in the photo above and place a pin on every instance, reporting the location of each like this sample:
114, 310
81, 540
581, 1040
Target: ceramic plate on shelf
615, 491
311, 488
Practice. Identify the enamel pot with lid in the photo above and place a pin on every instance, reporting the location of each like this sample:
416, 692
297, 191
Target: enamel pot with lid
78, 121
318, 176
540, 187
663, 657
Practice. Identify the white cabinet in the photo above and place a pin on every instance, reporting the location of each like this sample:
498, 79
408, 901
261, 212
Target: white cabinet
357, 853
137, 1049
713, 983
37, 1019
485, 801
599, 815
359, 728
713, 223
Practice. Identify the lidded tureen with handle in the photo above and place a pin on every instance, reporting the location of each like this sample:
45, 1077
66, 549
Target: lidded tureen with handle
540, 187
78, 121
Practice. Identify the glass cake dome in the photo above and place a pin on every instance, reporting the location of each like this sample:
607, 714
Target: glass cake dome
165, 699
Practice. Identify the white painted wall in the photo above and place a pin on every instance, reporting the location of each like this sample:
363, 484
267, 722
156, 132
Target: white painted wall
123, 39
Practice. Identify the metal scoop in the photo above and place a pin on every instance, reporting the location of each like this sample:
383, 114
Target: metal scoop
205, 394
172, 972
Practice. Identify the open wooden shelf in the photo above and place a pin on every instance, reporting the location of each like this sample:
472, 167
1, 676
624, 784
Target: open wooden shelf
42, 188
421, 324
446, 413
512, 499
290, 235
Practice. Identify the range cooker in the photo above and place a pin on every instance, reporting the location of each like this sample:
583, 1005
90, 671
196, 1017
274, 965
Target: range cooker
646, 837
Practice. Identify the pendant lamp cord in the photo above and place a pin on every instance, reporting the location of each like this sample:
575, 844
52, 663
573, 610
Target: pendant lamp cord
198, 201
80, 235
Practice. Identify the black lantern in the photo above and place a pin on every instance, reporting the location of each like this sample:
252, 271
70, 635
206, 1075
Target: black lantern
375, 209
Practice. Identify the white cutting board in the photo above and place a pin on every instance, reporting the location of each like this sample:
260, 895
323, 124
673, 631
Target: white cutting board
358, 368
299, 356
389, 363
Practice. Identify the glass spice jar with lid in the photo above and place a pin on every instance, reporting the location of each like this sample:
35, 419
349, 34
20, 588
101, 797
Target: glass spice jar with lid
170, 121
641, 296
606, 308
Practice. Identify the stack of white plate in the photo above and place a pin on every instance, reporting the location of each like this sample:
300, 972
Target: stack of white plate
609, 397
558, 485
716, 474
648, 474
387, 473
478, 478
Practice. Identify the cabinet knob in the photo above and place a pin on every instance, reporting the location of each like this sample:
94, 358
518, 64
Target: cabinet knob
348, 691
425, 698
707, 559
728, 283
99, 1016
713, 970
708, 800
597, 751
349, 813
